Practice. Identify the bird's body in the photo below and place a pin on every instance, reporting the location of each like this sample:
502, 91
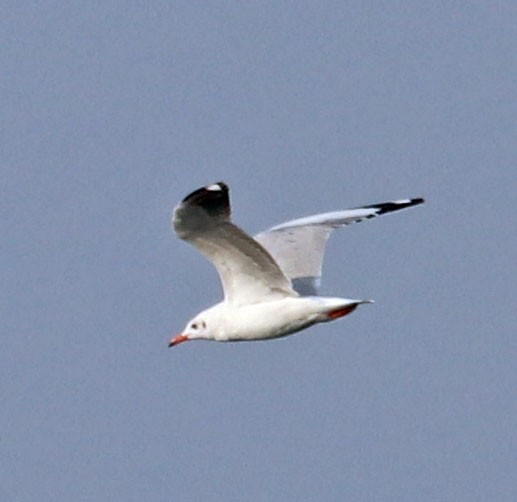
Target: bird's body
269, 281
271, 319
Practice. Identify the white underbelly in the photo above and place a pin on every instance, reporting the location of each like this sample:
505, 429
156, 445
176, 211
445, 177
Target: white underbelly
272, 319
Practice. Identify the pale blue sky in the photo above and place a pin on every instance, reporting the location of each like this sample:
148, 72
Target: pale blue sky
113, 111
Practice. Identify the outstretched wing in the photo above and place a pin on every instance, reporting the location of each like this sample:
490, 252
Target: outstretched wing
298, 246
247, 271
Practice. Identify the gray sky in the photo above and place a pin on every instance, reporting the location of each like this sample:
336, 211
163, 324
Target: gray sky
113, 111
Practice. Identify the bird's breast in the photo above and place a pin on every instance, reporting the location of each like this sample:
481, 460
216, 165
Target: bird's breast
266, 320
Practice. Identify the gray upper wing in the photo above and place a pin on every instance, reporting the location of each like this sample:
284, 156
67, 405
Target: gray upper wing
247, 271
298, 246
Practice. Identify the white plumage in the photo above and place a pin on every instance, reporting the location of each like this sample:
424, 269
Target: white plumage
269, 281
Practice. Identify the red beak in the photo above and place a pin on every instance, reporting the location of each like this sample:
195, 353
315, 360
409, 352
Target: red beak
178, 339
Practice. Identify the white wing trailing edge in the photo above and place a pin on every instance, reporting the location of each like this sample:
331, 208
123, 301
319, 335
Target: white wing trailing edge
298, 246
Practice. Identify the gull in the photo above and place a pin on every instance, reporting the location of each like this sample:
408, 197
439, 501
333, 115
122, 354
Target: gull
270, 281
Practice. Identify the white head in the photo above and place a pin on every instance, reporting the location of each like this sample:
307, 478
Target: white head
201, 327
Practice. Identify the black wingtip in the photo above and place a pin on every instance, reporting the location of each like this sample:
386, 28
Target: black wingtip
214, 189
214, 198
388, 207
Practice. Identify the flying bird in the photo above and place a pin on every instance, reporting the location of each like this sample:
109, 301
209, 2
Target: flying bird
270, 281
